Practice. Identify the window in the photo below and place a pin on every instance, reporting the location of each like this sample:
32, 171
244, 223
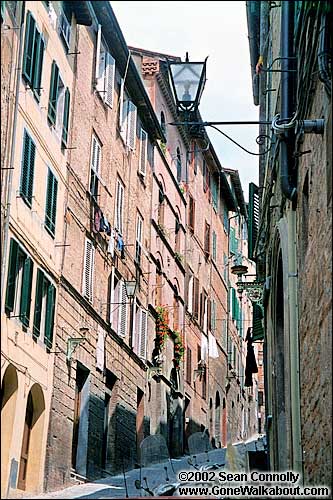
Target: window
44, 309
140, 331
188, 366
161, 205
51, 203
190, 294
95, 166
179, 165
143, 152
196, 298
88, 270
214, 189
224, 334
204, 311
33, 56
176, 311
207, 240
138, 244
163, 124
105, 71
119, 207
191, 214
225, 219
213, 316
205, 176
127, 118
177, 235
19, 281
58, 109
65, 29
214, 249
225, 266
27, 168
233, 243
122, 313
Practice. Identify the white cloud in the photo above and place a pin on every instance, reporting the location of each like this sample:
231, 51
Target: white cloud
214, 29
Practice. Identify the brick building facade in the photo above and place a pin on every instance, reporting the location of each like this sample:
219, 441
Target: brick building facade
290, 48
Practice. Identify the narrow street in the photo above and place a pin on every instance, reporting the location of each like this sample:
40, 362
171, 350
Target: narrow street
114, 486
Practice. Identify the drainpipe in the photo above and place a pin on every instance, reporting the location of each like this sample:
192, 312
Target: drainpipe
287, 31
289, 190
13, 148
253, 24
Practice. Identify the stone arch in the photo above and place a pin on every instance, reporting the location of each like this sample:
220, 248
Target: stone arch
218, 419
30, 469
9, 390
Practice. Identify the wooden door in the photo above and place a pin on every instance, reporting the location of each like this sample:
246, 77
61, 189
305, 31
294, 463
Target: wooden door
21, 484
76, 422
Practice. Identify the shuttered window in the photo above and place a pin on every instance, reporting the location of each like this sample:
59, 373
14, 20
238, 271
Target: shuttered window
190, 294
122, 315
214, 189
143, 334
44, 309
214, 246
188, 366
196, 298
58, 108
105, 71
119, 207
207, 239
143, 152
131, 125
33, 56
253, 221
225, 219
257, 324
95, 166
64, 136
27, 168
65, 29
138, 244
88, 270
51, 203
18, 293
233, 244
213, 315
127, 118
191, 214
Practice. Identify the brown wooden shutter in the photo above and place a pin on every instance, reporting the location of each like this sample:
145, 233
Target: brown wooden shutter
196, 297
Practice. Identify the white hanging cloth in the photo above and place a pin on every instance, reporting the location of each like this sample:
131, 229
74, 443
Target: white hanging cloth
212, 346
204, 347
100, 349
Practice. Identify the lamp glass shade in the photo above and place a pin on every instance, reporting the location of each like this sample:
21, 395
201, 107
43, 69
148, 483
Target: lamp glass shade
187, 79
130, 287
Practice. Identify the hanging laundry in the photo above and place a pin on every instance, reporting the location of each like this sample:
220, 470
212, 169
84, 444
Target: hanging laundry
212, 346
120, 243
97, 220
111, 243
204, 347
103, 225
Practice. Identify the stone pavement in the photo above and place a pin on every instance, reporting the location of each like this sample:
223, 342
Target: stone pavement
113, 487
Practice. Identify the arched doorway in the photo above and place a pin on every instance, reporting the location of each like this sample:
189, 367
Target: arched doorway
29, 476
217, 420
8, 408
280, 415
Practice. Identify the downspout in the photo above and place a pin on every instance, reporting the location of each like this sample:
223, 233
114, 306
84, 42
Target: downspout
13, 148
253, 23
287, 31
287, 143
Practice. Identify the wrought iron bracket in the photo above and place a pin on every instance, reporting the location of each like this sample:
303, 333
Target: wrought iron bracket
254, 290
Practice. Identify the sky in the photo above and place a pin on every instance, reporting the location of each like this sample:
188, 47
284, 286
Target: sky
216, 29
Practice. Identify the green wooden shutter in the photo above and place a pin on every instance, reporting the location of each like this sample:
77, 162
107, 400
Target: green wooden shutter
27, 170
66, 119
49, 318
253, 221
38, 303
26, 291
233, 303
29, 47
38, 65
12, 274
51, 202
257, 327
53, 98
3, 8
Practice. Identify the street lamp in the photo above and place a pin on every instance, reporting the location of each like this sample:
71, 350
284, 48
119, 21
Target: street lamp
187, 83
130, 287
